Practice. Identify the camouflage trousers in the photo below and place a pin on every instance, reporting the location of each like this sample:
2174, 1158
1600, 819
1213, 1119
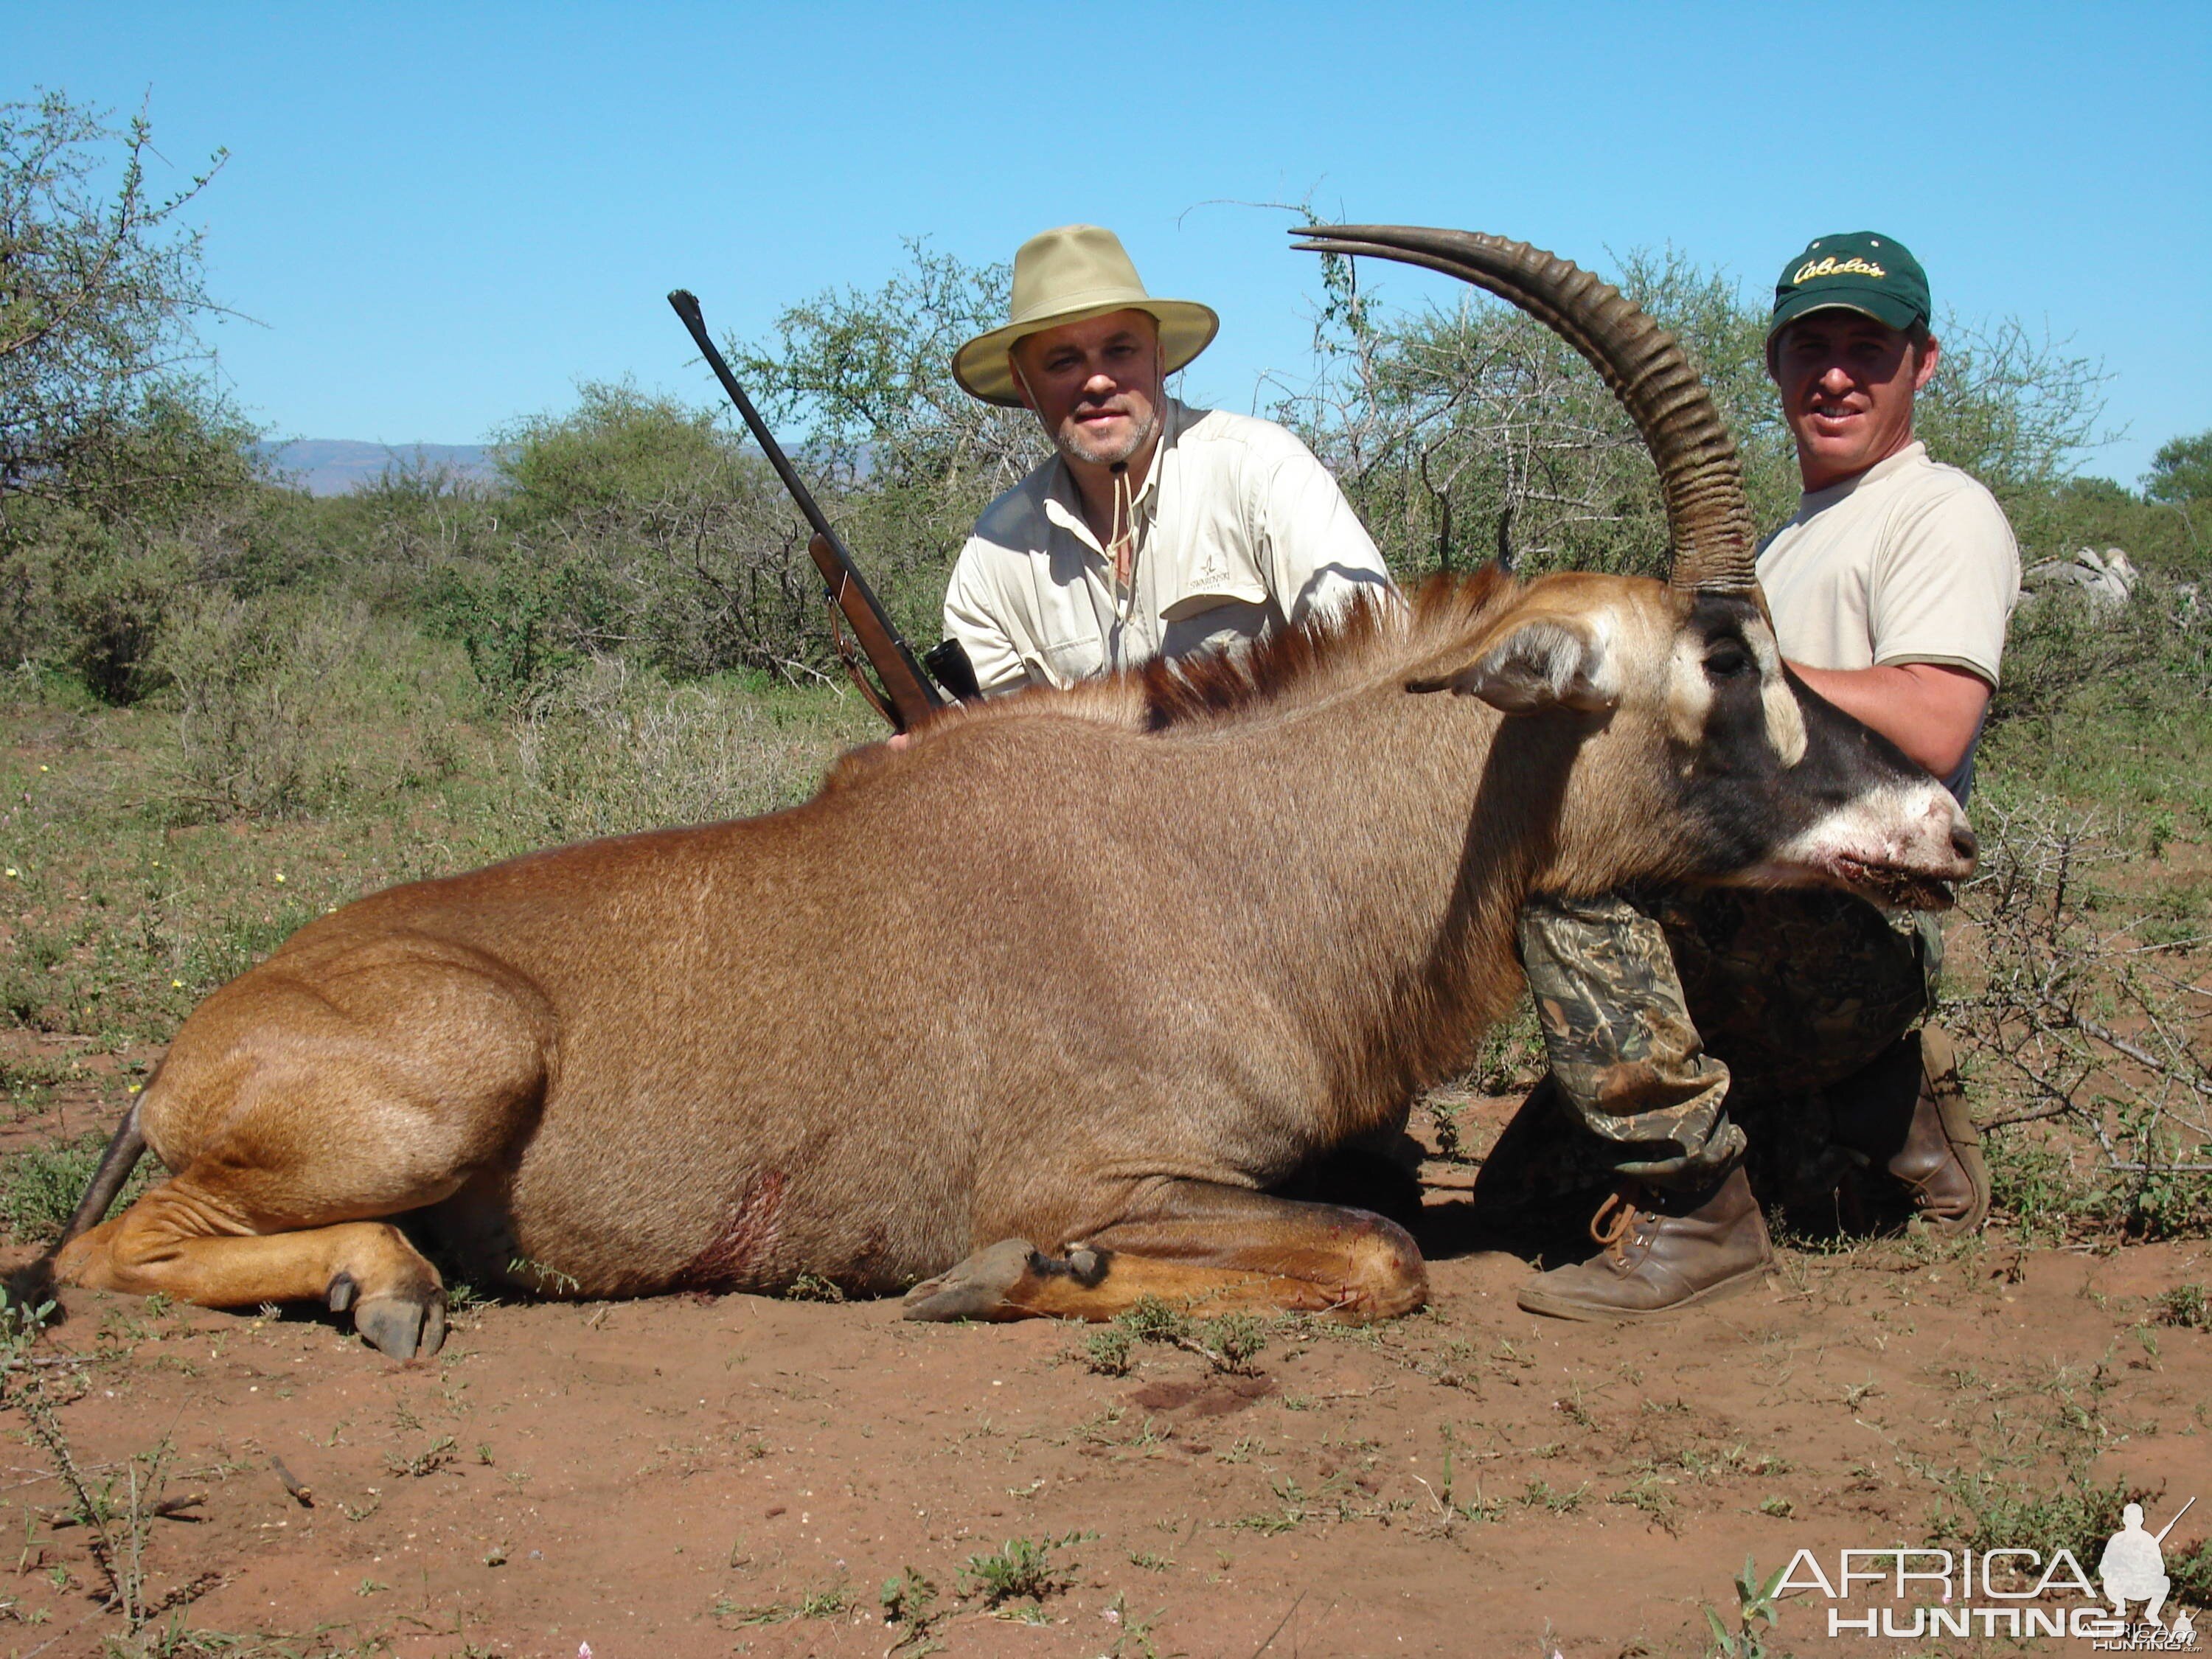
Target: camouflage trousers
1675, 1018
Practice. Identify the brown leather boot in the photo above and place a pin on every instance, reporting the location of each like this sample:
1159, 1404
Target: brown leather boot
1662, 1251
1907, 1112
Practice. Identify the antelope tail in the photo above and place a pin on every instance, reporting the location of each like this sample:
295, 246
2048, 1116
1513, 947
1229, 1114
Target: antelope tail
116, 1164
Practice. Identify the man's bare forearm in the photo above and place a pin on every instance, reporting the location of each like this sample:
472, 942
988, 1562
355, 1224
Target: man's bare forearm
1930, 710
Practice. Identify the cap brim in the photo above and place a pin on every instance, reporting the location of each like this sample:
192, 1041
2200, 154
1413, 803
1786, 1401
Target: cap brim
1187, 328
1884, 307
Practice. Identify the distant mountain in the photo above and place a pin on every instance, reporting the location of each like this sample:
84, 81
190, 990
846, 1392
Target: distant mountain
332, 466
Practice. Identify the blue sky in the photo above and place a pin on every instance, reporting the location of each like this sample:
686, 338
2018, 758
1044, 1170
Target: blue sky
442, 216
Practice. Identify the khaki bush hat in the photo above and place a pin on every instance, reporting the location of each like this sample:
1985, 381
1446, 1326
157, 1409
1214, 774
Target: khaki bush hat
1063, 275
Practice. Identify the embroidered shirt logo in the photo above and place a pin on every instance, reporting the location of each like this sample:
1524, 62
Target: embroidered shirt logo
1831, 266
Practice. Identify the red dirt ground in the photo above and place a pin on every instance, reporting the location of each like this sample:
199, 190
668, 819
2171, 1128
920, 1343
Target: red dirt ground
738, 1475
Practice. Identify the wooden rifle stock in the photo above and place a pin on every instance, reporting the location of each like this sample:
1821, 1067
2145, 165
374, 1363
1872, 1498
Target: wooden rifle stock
906, 695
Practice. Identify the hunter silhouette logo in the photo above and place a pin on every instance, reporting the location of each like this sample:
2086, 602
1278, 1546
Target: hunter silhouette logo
1831, 266
2133, 1569
2012, 1592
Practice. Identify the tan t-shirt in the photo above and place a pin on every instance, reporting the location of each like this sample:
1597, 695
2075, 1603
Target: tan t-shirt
1910, 562
1240, 530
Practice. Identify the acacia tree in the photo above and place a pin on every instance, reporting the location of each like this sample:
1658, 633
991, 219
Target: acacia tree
117, 454
104, 402
1473, 431
862, 378
2181, 471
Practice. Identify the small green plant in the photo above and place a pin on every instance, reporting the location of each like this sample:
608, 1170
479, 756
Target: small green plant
1233, 1341
1297, 1508
1136, 1633
1540, 1494
1153, 1320
1649, 1493
827, 1602
1107, 1351
2186, 1305
1229, 1344
1454, 1506
909, 1602
117, 1513
538, 1276
432, 1458
813, 1287
1020, 1567
1983, 1512
1755, 1614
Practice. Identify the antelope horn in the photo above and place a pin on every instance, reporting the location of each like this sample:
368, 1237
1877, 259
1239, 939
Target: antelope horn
1707, 516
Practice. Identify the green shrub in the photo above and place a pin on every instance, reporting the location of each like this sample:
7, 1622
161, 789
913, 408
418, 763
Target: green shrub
526, 623
2064, 650
618, 749
1983, 1511
110, 600
292, 701
1107, 1351
257, 686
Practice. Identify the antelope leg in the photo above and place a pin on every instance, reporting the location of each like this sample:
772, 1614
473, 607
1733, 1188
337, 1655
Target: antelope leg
1212, 1250
179, 1241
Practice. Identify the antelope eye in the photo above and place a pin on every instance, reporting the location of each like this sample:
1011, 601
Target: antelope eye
1727, 659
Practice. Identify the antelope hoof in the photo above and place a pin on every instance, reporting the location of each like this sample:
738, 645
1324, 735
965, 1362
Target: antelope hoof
406, 1325
976, 1288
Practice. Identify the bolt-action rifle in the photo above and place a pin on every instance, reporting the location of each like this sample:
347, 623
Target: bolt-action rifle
906, 693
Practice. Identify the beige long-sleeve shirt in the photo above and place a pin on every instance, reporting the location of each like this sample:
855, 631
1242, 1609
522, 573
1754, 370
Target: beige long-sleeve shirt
1239, 531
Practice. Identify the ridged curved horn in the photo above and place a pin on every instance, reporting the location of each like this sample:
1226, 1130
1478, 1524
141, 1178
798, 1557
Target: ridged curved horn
1706, 513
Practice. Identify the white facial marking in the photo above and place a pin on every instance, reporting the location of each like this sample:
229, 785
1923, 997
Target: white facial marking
1689, 690
1602, 664
1785, 720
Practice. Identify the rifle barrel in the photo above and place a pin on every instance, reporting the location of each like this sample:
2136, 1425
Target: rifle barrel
909, 690
2176, 1522
687, 307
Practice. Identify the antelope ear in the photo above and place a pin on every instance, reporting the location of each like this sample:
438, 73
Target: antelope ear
1545, 662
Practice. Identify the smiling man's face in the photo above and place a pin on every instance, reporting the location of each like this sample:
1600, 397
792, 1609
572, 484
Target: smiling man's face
1095, 383
1847, 384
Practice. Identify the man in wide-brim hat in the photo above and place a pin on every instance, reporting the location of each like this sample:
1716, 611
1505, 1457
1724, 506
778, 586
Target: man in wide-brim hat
1156, 528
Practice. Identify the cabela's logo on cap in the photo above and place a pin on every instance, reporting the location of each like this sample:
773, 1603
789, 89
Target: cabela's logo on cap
1832, 266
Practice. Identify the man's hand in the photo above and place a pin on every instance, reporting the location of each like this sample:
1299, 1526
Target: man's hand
1930, 710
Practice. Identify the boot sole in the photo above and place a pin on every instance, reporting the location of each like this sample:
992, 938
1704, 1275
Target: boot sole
1533, 1300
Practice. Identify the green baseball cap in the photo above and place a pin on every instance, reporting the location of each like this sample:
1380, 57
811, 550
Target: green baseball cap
1857, 271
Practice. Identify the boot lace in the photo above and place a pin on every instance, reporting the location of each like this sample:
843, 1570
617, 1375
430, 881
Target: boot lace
1619, 1218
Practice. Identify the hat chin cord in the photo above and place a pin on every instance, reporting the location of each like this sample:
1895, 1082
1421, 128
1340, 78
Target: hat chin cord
1121, 532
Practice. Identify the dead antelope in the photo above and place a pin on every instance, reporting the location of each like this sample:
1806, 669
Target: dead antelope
1029, 1017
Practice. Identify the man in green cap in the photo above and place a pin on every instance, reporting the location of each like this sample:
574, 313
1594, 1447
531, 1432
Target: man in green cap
1673, 1018
1156, 529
